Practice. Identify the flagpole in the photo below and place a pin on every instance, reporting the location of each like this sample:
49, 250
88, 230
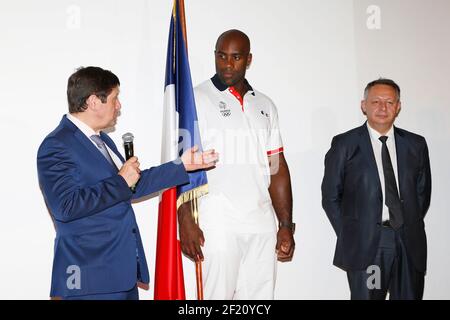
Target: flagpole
194, 203
183, 23
198, 262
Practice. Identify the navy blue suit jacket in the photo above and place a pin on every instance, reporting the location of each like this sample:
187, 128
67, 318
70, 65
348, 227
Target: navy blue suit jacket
353, 201
96, 230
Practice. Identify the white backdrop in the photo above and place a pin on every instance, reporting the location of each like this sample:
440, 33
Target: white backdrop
312, 57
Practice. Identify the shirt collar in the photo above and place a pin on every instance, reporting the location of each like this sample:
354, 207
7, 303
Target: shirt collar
375, 135
88, 131
222, 87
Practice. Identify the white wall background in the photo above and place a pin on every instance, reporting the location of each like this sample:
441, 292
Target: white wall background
312, 57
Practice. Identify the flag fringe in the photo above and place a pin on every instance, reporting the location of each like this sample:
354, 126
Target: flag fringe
192, 194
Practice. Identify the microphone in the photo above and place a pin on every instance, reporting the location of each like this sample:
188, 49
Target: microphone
129, 150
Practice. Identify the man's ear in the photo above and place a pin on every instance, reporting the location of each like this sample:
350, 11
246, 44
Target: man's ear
92, 102
363, 107
399, 108
249, 60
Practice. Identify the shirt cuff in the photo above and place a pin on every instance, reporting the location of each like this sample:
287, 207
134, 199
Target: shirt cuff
275, 151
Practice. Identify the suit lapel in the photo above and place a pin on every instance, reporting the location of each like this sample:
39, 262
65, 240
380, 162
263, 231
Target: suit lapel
366, 147
401, 150
111, 145
98, 158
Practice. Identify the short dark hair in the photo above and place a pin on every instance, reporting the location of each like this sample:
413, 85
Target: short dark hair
86, 82
383, 81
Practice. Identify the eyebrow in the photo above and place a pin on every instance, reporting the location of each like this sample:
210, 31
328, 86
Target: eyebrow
232, 53
387, 100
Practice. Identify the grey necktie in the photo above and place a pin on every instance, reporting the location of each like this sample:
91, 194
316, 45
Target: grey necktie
102, 147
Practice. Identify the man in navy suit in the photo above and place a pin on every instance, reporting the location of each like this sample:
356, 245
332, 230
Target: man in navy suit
86, 183
376, 191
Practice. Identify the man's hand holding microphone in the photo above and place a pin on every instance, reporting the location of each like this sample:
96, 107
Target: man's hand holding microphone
130, 171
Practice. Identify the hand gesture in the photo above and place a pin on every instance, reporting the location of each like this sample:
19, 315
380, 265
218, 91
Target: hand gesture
194, 160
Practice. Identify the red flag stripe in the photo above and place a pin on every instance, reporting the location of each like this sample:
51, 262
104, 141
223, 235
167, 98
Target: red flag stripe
169, 280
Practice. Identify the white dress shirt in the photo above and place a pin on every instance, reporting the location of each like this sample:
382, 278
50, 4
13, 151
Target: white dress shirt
376, 146
88, 132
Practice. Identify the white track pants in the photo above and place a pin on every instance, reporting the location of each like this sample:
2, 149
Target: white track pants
239, 266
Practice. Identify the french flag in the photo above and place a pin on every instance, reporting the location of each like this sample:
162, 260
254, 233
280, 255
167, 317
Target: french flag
180, 132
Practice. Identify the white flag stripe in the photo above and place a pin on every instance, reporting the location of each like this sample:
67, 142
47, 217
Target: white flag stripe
169, 147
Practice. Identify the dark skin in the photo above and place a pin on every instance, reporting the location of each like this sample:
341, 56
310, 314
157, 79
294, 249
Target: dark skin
281, 195
233, 58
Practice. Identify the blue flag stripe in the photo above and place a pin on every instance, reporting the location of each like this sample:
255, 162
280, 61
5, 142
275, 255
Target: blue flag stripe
184, 97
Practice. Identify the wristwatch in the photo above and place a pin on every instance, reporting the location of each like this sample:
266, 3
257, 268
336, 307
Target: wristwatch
287, 224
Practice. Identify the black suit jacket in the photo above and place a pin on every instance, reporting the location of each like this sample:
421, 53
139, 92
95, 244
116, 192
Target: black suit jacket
353, 201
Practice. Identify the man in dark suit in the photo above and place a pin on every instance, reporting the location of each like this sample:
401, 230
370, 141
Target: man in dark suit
86, 184
376, 191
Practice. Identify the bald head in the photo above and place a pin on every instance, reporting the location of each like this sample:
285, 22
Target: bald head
235, 36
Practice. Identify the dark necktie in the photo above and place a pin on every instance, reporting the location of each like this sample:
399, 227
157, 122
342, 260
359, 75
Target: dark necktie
392, 199
102, 147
